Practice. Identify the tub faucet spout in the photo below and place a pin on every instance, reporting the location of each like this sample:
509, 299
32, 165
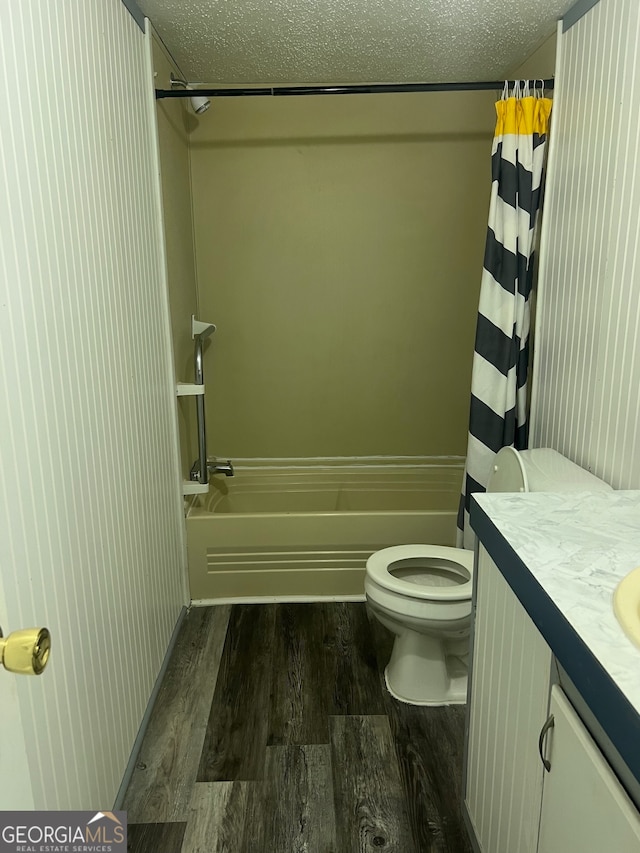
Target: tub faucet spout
225, 468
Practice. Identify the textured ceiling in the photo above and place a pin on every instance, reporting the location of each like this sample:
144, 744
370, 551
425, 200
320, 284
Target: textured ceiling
349, 41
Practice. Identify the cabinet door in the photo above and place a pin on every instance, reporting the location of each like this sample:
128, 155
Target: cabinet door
584, 807
508, 706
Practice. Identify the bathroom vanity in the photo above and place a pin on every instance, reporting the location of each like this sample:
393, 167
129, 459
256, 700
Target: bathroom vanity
552, 759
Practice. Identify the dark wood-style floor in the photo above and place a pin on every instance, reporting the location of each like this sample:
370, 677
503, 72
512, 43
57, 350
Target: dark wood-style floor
273, 732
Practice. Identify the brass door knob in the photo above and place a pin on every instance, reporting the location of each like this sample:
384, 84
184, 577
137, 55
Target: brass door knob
25, 652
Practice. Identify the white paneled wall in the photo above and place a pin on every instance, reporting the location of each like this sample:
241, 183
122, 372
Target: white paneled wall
91, 540
586, 401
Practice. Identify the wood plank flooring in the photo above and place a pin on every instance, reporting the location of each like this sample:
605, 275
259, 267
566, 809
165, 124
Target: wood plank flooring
236, 738
371, 806
162, 783
273, 732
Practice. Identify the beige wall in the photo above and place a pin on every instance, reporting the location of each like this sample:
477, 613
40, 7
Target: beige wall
173, 127
339, 246
541, 63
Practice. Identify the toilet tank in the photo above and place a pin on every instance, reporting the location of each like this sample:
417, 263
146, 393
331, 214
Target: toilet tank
540, 470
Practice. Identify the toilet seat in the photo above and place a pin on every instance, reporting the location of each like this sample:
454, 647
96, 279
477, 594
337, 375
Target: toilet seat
379, 564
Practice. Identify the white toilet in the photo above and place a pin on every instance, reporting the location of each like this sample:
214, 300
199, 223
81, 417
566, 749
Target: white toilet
422, 593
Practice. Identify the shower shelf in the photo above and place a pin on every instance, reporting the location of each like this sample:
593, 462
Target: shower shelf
188, 389
192, 487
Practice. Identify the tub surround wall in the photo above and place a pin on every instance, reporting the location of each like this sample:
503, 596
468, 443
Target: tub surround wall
174, 124
339, 247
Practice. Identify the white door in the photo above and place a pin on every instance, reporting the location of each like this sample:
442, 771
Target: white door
584, 808
15, 781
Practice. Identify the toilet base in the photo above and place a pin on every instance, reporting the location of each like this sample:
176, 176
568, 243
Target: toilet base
420, 674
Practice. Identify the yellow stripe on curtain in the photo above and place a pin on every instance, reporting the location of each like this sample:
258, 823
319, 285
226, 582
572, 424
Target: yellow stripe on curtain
523, 116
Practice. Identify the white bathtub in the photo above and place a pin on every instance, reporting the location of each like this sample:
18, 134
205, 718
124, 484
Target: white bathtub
308, 531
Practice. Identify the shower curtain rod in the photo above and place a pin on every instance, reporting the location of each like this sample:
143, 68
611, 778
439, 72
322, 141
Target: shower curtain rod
373, 89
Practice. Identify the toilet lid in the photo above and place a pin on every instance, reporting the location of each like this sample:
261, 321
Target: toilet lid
509, 473
423, 571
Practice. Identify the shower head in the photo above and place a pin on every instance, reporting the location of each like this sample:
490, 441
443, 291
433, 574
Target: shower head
199, 103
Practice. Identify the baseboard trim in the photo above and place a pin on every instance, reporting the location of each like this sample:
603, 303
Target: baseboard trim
122, 790
135, 11
471, 829
577, 11
274, 599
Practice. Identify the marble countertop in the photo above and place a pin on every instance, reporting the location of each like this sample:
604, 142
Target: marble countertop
576, 546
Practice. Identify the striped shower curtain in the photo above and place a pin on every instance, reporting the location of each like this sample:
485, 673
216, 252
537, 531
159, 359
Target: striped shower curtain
498, 412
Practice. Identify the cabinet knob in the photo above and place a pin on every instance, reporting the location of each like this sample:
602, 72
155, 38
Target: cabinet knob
543, 732
25, 652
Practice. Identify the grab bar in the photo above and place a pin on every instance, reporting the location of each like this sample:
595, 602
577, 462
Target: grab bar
200, 333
